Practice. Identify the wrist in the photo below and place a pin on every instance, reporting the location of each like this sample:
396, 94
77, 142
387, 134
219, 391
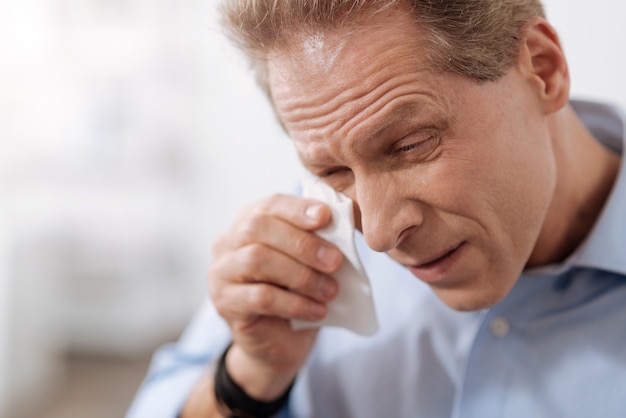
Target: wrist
232, 401
259, 381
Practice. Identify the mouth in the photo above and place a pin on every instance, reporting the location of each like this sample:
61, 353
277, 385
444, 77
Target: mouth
433, 270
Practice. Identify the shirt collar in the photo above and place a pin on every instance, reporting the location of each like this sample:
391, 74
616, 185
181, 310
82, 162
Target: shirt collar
605, 246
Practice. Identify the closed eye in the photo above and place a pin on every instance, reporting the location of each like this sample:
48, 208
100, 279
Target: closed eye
406, 148
419, 146
338, 178
333, 171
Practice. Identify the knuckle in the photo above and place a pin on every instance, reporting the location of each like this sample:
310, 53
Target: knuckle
220, 244
277, 203
255, 224
253, 257
273, 200
216, 287
213, 274
249, 228
219, 301
244, 213
266, 205
303, 244
262, 298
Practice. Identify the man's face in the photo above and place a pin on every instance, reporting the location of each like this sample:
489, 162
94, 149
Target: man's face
451, 178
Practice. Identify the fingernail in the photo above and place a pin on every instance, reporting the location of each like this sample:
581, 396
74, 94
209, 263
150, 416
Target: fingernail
328, 287
327, 256
313, 212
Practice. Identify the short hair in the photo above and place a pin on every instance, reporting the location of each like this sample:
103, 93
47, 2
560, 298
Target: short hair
475, 38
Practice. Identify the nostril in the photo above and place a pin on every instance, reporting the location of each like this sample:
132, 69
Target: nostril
406, 232
383, 234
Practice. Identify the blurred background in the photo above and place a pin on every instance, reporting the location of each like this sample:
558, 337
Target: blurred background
130, 134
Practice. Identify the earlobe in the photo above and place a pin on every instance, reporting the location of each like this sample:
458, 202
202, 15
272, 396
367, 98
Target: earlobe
542, 59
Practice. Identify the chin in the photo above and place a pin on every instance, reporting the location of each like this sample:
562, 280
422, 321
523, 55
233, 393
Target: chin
467, 300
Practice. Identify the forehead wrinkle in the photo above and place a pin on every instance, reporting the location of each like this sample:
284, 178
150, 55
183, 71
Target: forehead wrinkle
317, 152
345, 128
377, 90
387, 111
312, 100
308, 114
396, 114
320, 150
300, 68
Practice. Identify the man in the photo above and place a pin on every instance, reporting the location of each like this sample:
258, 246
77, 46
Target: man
448, 124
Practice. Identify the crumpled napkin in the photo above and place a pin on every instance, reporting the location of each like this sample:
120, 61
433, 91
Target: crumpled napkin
353, 307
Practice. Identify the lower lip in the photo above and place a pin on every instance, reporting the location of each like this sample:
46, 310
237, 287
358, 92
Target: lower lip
435, 271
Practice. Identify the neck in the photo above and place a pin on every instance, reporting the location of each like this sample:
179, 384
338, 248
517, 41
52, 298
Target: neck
586, 172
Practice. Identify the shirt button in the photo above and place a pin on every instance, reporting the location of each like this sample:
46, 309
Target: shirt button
499, 327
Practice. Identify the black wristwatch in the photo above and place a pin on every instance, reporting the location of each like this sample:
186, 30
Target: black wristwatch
234, 402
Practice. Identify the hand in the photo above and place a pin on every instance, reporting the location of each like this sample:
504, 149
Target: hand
268, 269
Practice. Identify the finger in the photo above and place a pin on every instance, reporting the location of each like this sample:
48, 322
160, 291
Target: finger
262, 264
303, 246
249, 301
308, 214
304, 213
220, 246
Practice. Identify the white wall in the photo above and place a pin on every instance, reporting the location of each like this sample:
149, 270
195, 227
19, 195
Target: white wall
5, 290
250, 155
592, 34
129, 137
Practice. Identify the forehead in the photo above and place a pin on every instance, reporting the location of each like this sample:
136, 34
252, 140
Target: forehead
321, 42
336, 79
344, 62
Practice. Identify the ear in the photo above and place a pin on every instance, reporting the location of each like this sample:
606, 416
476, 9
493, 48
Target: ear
542, 61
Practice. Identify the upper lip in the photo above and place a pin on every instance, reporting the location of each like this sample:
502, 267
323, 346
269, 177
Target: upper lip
436, 257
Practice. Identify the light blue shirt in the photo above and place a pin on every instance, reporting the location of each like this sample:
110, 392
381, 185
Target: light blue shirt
555, 347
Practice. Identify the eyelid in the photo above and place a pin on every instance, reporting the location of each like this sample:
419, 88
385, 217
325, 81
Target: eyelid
412, 143
330, 171
338, 178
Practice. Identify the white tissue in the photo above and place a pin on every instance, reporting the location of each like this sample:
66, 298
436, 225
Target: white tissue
353, 307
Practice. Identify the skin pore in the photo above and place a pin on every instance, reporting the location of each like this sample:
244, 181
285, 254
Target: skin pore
465, 184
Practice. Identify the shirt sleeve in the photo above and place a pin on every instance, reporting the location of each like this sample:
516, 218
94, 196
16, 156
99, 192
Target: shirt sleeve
176, 368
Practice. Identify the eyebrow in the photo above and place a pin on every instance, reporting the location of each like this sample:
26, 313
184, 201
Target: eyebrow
397, 114
392, 117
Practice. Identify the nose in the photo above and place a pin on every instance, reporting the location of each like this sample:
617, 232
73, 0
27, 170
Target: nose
383, 212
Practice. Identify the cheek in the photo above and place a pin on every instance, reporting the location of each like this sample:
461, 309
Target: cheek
501, 183
517, 190
454, 183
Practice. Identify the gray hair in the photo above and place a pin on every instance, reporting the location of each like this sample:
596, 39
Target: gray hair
475, 38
